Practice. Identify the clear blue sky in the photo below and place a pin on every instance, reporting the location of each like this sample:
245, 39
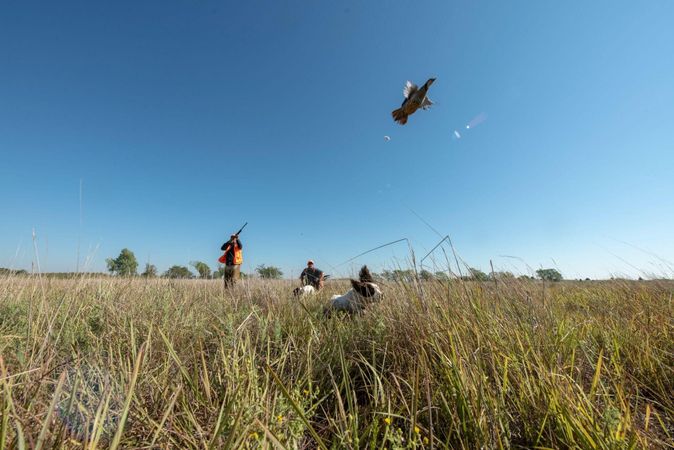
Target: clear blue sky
184, 119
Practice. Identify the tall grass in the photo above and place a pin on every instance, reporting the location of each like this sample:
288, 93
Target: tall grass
120, 363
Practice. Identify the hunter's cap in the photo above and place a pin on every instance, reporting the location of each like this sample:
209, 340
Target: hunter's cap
311, 261
233, 236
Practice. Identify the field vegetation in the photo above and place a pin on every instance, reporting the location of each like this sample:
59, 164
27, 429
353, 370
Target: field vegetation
160, 363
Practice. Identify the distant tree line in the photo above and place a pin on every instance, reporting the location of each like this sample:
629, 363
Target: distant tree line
126, 264
7, 272
59, 275
472, 275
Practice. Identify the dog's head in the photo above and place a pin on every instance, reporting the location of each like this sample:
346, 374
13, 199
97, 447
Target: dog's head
297, 292
366, 287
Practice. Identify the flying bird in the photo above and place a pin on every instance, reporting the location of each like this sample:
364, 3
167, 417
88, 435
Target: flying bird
415, 98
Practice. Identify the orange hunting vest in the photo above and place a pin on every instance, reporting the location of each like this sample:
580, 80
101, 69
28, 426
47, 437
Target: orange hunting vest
238, 256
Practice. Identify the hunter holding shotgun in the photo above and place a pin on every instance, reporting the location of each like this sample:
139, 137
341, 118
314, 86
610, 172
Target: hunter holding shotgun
232, 258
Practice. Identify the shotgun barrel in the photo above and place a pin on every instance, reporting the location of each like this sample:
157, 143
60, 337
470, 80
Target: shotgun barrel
244, 226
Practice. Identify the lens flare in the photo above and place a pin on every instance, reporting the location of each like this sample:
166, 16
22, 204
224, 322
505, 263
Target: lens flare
475, 121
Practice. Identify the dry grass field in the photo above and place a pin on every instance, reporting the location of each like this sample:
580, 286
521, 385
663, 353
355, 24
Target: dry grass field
135, 363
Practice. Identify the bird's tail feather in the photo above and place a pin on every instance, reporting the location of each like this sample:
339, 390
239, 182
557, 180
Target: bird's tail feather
399, 116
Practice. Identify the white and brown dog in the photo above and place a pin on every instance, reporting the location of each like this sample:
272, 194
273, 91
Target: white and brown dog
361, 294
304, 290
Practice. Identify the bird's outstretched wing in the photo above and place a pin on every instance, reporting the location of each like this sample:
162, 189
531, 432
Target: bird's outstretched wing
426, 103
409, 89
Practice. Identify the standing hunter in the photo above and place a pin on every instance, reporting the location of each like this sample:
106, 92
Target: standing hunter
232, 259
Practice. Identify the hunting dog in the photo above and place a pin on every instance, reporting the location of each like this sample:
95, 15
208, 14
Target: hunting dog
304, 290
361, 294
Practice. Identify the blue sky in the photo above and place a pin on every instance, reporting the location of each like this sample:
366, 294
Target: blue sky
185, 119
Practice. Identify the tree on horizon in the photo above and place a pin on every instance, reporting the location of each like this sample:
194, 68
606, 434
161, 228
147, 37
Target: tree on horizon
124, 265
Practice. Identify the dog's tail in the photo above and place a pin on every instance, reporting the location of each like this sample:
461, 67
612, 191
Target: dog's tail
399, 116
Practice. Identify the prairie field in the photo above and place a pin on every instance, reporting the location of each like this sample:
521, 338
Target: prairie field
156, 363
